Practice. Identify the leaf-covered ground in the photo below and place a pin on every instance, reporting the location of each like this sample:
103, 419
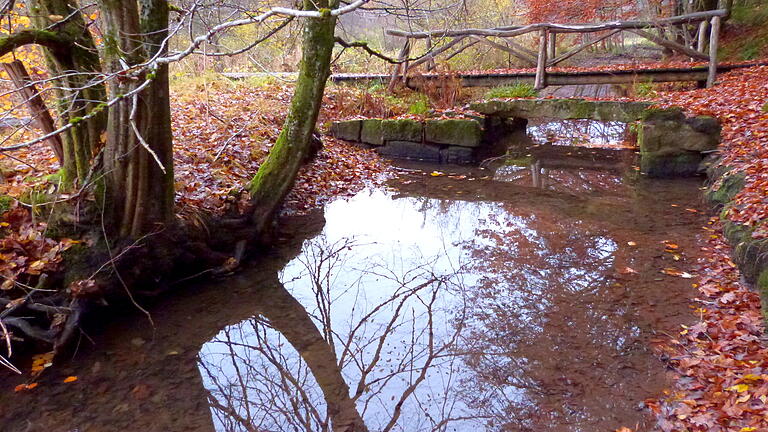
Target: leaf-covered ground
222, 133
721, 362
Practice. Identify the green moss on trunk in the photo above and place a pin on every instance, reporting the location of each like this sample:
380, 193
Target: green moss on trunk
277, 175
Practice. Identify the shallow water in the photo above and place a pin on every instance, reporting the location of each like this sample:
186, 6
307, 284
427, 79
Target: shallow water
499, 299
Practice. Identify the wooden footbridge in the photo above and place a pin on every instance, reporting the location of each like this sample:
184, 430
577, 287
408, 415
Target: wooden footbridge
553, 78
693, 35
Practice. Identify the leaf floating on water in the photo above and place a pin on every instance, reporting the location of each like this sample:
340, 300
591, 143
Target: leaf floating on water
24, 387
436, 174
70, 379
141, 392
677, 273
40, 362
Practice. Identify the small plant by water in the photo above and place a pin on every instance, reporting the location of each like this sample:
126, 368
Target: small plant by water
645, 90
420, 107
518, 90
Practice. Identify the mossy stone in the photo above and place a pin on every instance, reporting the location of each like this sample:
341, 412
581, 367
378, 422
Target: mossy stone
579, 109
762, 288
410, 150
705, 124
663, 114
750, 255
670, 164
456, 132
730, 186
347, 130
402, 130
520, 162
371, 132
736, 233
661, 134
564, 109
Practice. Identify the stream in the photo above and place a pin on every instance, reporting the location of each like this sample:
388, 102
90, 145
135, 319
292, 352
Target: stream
520, 296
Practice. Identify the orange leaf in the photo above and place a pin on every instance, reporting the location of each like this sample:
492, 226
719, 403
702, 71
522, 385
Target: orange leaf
24, 387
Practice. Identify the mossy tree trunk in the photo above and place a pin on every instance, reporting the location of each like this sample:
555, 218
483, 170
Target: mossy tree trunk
277, 175
134, 134
76, 96
138, 159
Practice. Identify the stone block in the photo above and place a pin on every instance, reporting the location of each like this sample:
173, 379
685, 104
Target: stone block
371, 133
668, 164
705, 124
566, 109
402, 130
696, 134
626, 112
675, 114
455, 132
732, 183
347, 130
457, 155
410, 150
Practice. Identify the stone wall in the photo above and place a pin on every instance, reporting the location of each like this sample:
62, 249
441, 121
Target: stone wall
451, 140
671, 144
750, 254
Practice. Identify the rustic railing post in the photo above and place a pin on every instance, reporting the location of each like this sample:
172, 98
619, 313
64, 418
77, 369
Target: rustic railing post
552, 45
431, 63
541, 65
37, 109
714, 36
701, 46
403, 65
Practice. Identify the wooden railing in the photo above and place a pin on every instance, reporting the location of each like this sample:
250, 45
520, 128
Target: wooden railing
656, 31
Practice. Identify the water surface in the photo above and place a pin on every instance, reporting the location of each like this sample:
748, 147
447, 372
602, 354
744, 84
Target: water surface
512, 298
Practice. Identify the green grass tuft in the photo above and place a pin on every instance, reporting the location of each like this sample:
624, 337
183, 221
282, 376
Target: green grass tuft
645, 90
6, 203
420, 107
519, 90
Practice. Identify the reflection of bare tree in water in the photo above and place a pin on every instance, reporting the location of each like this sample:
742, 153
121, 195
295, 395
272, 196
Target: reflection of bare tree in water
514, 322
581, 133
288, 368
552, 340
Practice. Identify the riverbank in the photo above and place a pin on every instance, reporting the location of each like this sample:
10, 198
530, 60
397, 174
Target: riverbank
721, 362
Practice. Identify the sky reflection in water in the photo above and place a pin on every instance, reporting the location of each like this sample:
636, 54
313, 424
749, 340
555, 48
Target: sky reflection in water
486, 295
